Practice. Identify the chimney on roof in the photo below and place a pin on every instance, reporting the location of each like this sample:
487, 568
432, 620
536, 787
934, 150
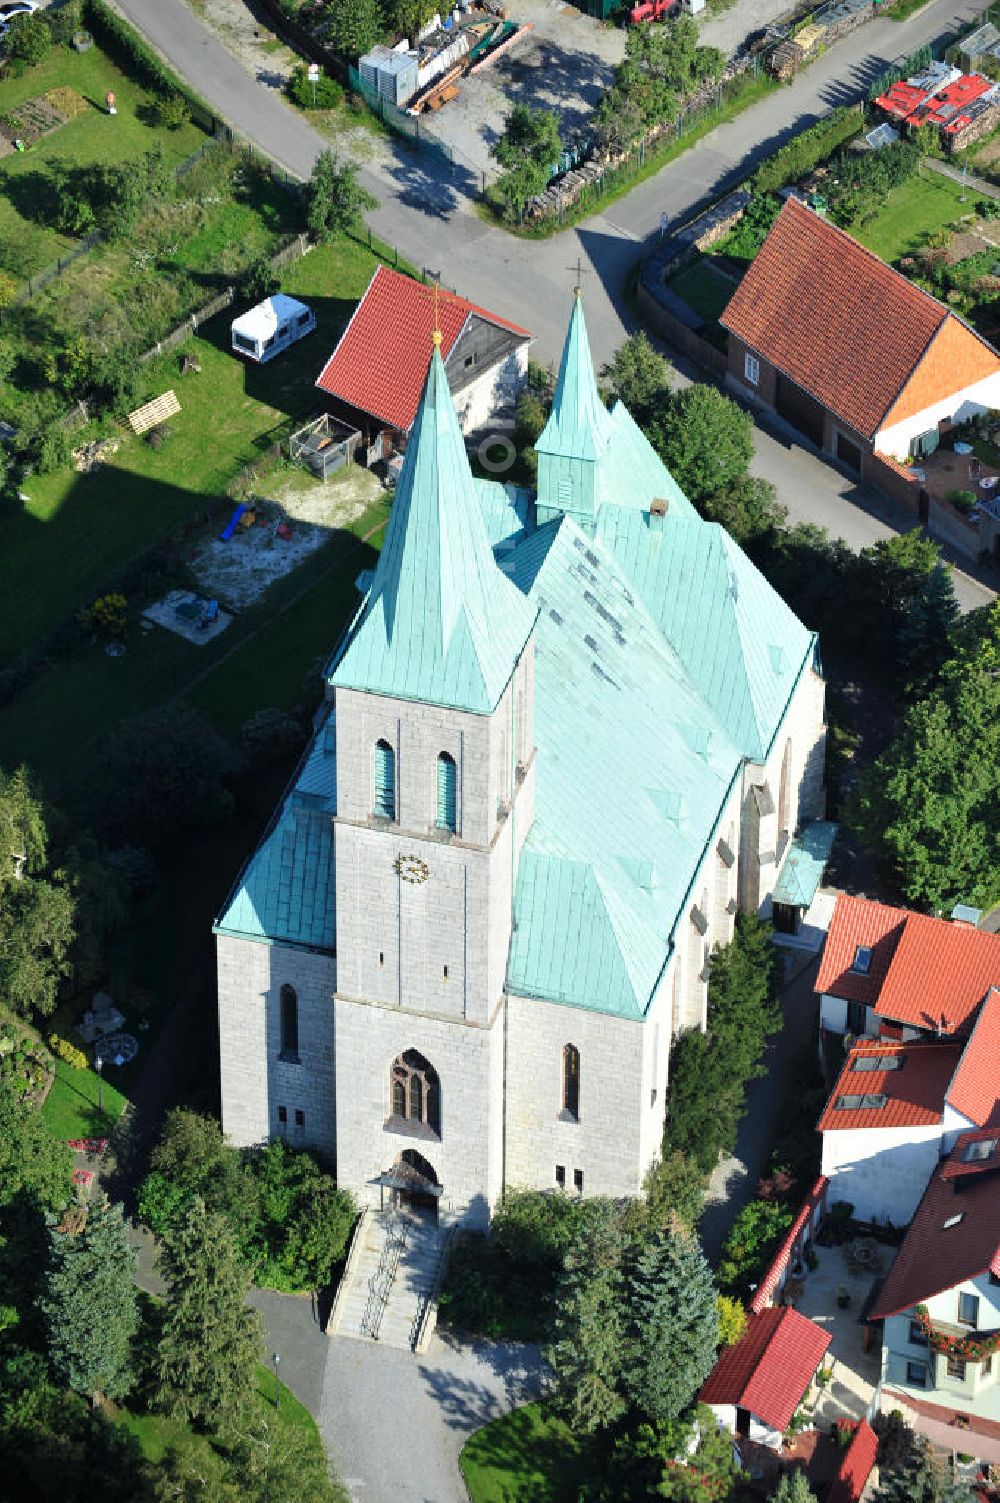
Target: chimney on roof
657, 511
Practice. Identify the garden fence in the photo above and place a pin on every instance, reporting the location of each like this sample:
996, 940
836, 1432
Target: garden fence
41, 279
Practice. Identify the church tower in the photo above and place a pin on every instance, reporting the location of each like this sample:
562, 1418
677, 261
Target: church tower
433, 697
576, 437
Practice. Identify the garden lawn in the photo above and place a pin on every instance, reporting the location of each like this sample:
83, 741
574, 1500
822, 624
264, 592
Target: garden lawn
528, 1453
156, 1433
70, 1109
92, 136
705, 289
77, 533
926, 202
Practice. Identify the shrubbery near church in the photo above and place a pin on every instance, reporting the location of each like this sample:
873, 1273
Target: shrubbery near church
289, 1220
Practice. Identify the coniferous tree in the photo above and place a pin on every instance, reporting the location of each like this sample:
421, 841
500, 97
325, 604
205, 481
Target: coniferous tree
90, 1305
588, 1346
794, 1487
921, 1479
210, 1341
673, 1325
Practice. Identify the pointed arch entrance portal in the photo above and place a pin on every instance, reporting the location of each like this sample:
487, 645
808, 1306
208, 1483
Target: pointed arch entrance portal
413, 1182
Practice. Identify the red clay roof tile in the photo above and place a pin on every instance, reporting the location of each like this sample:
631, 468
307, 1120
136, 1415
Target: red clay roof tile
939, 974
856, 922
939, 1252
914, 1089
770, 1367
839, 322
975, 1088
380, 363
855, 1467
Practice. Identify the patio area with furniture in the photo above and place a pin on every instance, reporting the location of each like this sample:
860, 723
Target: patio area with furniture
835, 1295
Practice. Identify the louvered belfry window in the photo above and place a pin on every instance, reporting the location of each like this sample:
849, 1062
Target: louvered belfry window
447, 793
385, 781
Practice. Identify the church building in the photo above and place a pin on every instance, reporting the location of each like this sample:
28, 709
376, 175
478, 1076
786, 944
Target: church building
566, 738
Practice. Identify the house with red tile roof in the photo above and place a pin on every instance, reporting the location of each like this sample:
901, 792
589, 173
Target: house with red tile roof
897, 1107
758, 1383
868, 366
893, 974
856, 1466
376, 374
940, 1304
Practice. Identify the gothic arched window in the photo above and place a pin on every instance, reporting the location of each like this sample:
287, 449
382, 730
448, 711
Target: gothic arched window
289, 1024
785, 798
385, 781
571, 1081
447, 793
415, 1091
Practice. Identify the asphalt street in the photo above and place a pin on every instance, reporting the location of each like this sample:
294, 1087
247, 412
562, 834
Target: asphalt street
428, 211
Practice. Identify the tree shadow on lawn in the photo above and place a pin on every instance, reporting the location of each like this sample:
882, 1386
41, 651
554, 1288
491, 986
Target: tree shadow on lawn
288, 382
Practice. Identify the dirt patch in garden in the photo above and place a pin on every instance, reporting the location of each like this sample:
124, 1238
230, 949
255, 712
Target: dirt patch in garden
38, 117
239, 571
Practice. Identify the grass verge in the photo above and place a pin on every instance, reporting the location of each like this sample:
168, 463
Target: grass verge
619, 181
528, 1453
71, 1107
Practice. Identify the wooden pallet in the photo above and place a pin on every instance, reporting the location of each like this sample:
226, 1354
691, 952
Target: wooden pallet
153, 413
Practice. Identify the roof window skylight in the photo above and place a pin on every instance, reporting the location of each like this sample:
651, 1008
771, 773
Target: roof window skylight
856, 1103
873, 1062
862, 962
953, 1221
983, 1149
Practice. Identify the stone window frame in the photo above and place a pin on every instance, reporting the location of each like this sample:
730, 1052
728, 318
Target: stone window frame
414, 1097
570, 1084
288, 1008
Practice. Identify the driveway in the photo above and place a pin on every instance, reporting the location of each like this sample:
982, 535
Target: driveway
393, 1424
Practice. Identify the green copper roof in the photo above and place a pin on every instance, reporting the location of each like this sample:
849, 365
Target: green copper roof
803, 867
738, 640
286, 892
632, 771
579, 424
441, 623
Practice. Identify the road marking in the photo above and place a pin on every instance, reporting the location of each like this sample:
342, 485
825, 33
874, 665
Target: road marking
621, 230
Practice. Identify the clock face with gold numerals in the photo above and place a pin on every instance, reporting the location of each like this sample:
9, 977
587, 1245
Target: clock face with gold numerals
412, 868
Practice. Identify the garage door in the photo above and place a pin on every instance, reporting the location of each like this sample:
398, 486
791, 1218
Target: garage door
800, 409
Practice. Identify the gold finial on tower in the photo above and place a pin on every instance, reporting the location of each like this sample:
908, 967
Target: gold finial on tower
436, 336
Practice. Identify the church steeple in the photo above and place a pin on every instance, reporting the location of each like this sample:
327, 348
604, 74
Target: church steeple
577, 433
441, 624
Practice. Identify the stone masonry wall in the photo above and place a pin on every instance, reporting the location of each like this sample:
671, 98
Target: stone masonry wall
255, 1082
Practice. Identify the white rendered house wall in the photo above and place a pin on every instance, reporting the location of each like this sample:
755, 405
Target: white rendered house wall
982, 396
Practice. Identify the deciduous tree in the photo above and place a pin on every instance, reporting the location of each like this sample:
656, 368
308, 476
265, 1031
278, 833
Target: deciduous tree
90, 1305
704, 439
37, 906
639, 376
929, 803
528, 151
355, 26
335, 200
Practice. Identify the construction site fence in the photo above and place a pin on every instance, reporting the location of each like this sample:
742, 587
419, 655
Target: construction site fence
403, 124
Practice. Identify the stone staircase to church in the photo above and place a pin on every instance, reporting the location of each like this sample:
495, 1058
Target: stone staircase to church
388, 1292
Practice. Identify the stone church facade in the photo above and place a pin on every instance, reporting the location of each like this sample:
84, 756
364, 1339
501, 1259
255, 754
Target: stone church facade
566, 738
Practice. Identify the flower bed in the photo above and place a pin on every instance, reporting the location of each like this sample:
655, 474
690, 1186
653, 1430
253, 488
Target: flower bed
972, 1348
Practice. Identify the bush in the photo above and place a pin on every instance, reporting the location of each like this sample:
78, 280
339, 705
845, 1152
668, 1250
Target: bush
173, 112
806, 150
962, 501
28, 39
8, 289
328, 93
65, 21
732, 1320
107, 616
54, 450
755, 1236
67, 1052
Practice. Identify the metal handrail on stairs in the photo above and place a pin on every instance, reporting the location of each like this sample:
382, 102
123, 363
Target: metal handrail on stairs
422, 1328
350, 1269
381, 1282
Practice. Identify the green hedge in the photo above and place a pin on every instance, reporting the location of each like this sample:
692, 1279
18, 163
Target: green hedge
806, 150
127, 47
